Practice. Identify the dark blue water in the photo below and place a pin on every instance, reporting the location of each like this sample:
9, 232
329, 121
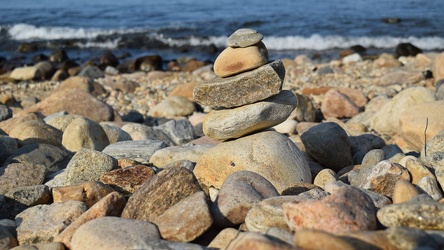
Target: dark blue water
176, 28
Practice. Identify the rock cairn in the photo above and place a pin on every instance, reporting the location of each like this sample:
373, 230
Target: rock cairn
247, 98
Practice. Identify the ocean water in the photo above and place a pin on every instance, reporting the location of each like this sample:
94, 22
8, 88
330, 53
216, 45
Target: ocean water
199, 28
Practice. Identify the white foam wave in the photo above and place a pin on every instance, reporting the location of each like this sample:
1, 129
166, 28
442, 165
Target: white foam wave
317, 42
109, 44
30, 32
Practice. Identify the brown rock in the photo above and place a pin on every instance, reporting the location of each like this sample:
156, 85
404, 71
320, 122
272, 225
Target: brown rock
438, 67
241, 89
404, 191
185, 90
127, 180
319, 240
233, 61
337, 213
223, 239
315, 91
249, 240
185, 220
336, 104
110, 205
74, 101
83, 83
159, 193
88, 192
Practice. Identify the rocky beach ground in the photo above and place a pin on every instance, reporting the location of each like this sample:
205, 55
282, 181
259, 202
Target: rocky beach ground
241, 153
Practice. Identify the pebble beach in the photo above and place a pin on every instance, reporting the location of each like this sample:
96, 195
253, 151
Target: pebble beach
240, 153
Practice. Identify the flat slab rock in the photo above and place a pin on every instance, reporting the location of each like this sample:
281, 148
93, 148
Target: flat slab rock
241, 89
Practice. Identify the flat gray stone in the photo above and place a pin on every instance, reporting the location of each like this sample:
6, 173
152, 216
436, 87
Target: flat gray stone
241, 89
179, 131
167, 155
141, 150
140, 132
88, 165
41, 223
17, 175
244, 37
236, 122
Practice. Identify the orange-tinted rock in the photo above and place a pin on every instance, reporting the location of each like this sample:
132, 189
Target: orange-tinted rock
88, 192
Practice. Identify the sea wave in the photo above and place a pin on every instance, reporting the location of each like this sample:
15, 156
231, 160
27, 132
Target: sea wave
113, 38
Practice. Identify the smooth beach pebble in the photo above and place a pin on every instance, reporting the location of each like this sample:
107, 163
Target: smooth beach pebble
244, 38
233, 61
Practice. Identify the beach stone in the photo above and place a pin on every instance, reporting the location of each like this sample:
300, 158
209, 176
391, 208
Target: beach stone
238, 194
11, 123
246, 88
74, 101
114, 233
181, 163
92, 72
305, 110
127, 180
413, 123
159, 193
426, 215
386, 120
329, 145
110, 205
404, 191
386, 60
173, 106
380, 178
179, 131
36, 131
336, 104
16, 175
244, 37
400, 77
19, 199
299, 188
84, 133
429, 185
286, 127
319, 239
42, 246
7, 147
417, 170
62, 121
373, 157
335, 214
236, 122
393, 152
41, 223
185, 220
439, 90
406, 49
223, 238
5, 112
88, 192
360, 145
378, 199
139, 132
141, 150
261, 153
268, 213
51, 157
438, 67
7, 240
115, 134
251, 240
232, 61
184, 89
280, 234
88, 165
324, 177
432, 154
26, 73
410, 238
84, 83
164, 156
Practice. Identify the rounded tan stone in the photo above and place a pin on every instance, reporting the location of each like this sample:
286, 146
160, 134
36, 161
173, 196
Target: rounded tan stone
268, 153
403, 191
324, 177
233, 61
317, 239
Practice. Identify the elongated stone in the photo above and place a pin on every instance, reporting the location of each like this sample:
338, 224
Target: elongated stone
244, 38
241, 89
234, 123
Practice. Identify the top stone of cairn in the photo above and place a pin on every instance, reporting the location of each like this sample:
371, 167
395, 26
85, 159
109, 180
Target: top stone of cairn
243, 38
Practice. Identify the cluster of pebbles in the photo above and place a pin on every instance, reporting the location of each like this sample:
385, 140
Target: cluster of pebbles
242, 154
